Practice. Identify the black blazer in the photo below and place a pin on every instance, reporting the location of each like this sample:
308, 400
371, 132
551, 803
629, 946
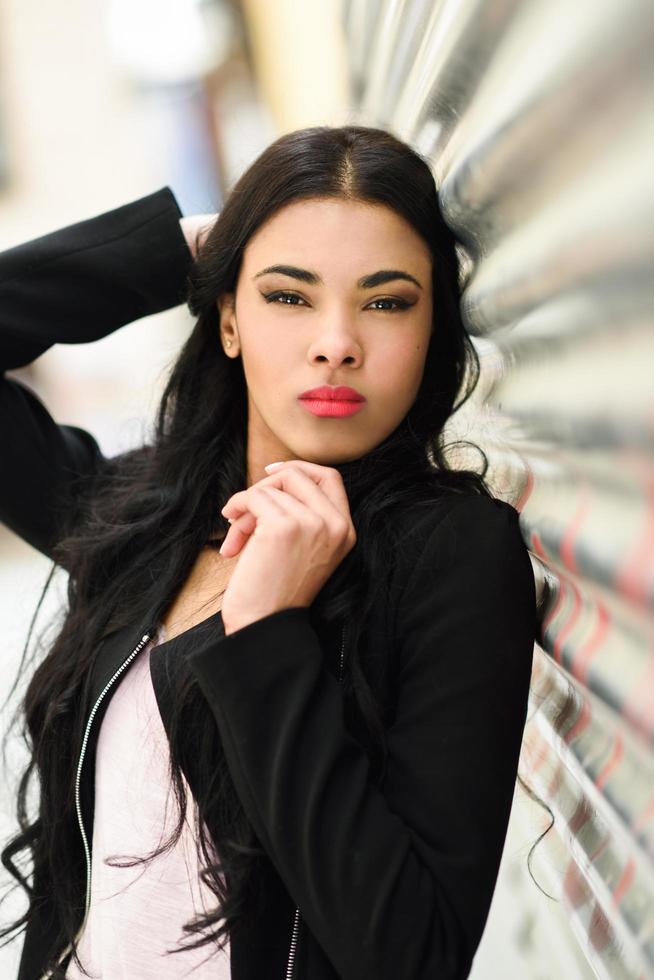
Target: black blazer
391, 883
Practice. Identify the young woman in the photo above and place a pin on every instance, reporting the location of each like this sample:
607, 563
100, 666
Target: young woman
301, 746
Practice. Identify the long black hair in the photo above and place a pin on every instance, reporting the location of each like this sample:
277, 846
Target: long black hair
163, 500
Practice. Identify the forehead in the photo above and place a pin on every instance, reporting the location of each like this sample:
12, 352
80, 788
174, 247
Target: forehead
332, 233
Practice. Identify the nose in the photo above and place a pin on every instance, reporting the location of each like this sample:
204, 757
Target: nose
336, 345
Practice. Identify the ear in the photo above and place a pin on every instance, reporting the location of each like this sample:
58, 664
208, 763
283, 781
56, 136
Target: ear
226, 305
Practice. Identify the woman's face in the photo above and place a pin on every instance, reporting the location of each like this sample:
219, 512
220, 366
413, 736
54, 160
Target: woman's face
319, 322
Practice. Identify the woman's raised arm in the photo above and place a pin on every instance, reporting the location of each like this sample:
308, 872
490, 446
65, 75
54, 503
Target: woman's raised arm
74, 286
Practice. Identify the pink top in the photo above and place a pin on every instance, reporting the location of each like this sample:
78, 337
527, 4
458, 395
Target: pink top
137, 913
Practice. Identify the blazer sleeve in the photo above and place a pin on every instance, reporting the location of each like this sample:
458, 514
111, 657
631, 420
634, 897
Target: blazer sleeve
73, 286
399, 882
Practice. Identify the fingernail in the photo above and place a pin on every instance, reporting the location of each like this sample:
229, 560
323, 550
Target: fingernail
272, 466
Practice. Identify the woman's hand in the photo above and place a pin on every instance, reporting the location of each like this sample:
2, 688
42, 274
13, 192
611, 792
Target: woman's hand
292, 530
196, 227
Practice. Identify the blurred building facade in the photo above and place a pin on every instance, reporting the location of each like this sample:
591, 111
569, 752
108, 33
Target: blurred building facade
100, 104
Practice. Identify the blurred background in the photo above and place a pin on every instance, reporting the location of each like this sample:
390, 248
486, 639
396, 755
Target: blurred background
538, 119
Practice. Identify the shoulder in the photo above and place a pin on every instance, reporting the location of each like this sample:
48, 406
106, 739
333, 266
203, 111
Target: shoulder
471, 539
459, 520
467, 585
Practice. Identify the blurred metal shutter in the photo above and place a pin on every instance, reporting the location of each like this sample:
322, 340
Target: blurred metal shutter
538, 120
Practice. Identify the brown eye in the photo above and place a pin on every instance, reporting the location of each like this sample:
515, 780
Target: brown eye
400, 304
272, 297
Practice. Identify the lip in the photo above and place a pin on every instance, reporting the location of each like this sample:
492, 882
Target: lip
331, 408
325, 393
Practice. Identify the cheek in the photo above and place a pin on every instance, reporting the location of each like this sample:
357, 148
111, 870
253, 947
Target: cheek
279, 360
398, 366
265, 348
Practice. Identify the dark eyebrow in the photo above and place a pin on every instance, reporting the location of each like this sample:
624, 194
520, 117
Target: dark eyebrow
366, 282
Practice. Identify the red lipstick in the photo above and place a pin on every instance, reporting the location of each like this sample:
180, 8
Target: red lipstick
333, 402
341, 393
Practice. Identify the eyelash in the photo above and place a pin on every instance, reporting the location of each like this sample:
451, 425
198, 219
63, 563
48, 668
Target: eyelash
399, 307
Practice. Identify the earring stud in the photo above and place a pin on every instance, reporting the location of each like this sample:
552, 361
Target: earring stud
228, 343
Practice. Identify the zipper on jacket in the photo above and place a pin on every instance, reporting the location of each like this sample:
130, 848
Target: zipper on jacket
296, 922
87, 852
